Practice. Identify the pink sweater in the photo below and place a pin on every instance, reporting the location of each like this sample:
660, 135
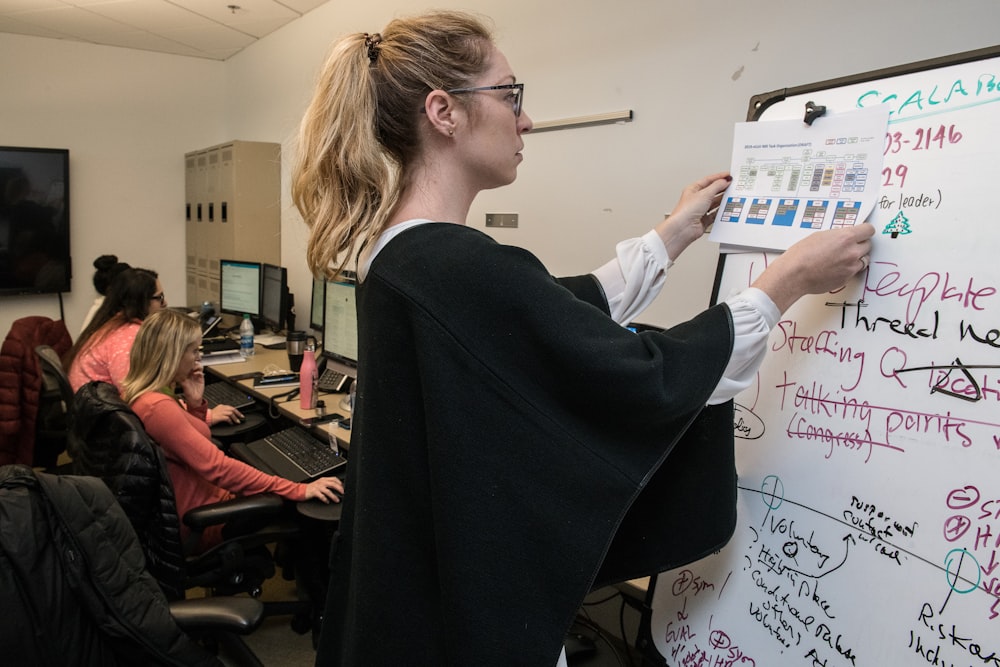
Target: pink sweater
200, 471
106, 359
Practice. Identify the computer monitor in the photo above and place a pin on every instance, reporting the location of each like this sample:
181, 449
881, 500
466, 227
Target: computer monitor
273, 296
240, 288
340, 323
317, 304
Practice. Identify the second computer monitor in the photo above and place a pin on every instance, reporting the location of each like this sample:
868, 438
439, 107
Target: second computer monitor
240, 287
317, 304
274, 296
340, 321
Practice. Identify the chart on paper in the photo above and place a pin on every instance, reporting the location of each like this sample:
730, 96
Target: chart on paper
791, 179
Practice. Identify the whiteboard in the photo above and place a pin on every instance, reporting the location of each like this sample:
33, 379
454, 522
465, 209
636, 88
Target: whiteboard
868, 449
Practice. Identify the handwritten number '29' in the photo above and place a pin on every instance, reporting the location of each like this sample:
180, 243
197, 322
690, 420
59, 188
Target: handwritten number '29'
899, 172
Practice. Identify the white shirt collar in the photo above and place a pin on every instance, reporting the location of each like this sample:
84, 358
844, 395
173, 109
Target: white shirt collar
365, 262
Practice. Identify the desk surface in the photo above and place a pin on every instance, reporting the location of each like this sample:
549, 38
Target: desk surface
265, 359
634, 588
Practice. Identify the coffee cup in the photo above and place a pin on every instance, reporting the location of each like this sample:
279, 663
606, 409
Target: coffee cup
296, 344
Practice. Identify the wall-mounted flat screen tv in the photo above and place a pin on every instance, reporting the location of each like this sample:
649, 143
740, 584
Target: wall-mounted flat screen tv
34, 220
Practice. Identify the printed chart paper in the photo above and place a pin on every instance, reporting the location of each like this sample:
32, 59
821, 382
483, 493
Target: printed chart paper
791, 179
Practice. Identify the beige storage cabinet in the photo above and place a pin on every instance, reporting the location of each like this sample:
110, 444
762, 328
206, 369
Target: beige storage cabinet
232, 211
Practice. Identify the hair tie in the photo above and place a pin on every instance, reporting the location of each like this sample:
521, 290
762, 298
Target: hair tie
371, 43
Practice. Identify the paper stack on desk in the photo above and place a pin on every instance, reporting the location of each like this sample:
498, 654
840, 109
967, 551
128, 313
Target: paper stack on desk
222, 358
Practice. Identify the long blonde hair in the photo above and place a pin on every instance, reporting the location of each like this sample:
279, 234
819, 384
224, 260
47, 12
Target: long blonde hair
360, 132
157, 352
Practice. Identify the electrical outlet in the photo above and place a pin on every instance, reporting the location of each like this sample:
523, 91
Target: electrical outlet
508, 220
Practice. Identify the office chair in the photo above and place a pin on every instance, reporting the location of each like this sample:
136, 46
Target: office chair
107, 440
55, 399
74, 588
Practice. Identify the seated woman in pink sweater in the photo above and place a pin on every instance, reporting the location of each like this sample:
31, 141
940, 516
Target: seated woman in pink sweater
102, 351
165, 355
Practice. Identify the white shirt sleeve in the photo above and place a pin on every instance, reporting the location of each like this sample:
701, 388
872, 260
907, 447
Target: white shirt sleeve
754, 315
634, 278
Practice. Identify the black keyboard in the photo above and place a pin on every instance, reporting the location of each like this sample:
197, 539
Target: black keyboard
223, 393
331, 381
209, 346
305, 451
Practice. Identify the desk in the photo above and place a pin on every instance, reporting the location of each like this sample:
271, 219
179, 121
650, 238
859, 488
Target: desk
262, 359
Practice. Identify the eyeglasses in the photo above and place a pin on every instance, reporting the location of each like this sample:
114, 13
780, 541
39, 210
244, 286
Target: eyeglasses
516, 95
159, 297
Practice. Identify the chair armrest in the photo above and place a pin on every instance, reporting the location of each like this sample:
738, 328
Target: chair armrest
240, 615
259, 506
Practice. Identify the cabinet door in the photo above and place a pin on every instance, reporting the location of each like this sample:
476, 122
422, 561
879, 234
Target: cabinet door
233, 193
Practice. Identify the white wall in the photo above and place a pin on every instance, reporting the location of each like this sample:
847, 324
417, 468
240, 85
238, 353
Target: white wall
127, 117
687, 70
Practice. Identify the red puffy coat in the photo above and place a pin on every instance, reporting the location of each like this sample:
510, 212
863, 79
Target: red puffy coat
21, 381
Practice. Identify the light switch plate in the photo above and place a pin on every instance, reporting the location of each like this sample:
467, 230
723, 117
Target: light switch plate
508, 220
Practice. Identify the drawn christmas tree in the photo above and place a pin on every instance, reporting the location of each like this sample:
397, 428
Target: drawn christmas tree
898, 225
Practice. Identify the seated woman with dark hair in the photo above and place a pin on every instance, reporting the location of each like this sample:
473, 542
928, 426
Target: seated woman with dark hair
166, 355
102, 350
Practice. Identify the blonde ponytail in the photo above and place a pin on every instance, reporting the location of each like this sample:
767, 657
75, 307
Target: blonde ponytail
360, 132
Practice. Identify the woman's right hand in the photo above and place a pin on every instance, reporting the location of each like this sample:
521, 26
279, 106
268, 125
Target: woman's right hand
325, 489
821, 262
693, 214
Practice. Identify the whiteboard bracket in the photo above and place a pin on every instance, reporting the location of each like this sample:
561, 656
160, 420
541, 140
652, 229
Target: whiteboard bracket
813, 111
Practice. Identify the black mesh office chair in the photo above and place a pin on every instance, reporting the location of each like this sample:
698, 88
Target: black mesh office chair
74, 588
107, 440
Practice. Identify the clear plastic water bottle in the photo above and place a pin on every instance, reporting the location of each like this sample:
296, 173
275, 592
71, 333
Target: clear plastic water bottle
246, 337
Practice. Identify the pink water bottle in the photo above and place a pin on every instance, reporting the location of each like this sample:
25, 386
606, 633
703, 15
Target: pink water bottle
308, 377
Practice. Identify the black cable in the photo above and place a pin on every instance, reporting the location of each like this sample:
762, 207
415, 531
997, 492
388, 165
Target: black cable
607, 599
621, 628
272, 408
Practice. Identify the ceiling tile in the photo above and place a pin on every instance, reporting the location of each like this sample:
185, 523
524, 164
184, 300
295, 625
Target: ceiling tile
201, 28
153, 17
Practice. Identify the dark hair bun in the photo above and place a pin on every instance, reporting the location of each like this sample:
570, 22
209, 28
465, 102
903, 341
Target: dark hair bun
107, 267
105, 262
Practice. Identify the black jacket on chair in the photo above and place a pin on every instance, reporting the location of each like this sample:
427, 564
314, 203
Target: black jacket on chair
72, 584
107, 440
